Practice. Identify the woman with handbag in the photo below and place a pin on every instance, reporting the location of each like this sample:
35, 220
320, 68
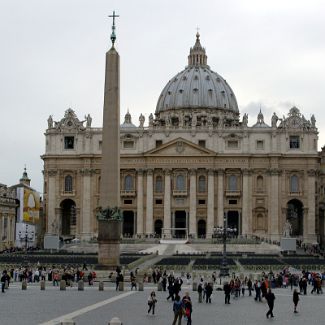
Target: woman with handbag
152, 302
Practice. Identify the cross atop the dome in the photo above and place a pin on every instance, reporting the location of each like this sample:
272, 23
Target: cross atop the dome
113, 35
197, 32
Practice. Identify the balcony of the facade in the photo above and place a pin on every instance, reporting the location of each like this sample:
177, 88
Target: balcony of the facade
128, 193
68, 193
233, 193
179, 192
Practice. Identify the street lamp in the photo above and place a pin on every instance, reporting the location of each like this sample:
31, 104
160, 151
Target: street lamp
26, 237
224, 269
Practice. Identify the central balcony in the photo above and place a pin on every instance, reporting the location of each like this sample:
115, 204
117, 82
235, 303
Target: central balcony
233, 193
179, 193
129, 193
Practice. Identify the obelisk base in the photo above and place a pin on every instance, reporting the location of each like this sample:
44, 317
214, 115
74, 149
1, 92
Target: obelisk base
109, 244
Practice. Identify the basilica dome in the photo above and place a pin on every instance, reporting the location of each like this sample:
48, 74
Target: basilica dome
197, 86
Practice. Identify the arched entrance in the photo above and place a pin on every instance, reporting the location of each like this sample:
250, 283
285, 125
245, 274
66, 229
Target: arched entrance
233, 222
128, 224
158, 227
201, 228
68, 217
180, 222
295, 216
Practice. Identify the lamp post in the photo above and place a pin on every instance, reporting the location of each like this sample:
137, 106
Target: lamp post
26, 237
224, 269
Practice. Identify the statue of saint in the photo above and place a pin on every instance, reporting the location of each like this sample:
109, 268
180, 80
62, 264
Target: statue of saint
150, 119
88, 121
50, 122
313, 121
141, 120
274, 120
245, 119
287, 229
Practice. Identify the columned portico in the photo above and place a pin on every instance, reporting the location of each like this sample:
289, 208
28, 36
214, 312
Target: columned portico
167, 203
192, 221
149, 203
210, 210
140, 202
221, 173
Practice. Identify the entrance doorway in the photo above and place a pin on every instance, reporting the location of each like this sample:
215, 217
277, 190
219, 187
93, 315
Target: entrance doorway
295, 217
201, 228
128, 224
233, 222
158, 227
68, 217
180, 222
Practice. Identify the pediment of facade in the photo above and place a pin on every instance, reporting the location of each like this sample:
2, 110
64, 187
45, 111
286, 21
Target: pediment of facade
180, 147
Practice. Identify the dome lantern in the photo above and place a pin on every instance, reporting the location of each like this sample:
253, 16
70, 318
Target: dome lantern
197, 55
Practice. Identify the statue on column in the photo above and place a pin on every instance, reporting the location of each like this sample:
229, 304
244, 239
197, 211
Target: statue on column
287, 229
50, 122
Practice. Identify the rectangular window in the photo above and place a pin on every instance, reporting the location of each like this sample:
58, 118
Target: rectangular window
100, 145
68, 142
202, 143
232, 201
201, 202
158, 143
260, 144
159, 201
127, 201
294, 142
232, 144
128, 144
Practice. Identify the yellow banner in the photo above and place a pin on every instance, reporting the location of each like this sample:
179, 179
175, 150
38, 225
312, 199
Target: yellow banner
31, 206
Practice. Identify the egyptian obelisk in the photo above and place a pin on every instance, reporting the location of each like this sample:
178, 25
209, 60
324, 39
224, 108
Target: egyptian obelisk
109, 229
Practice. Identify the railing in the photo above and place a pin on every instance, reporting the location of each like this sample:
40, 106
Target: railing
233, 193
179, 193
129, 193
68, 193
295, 193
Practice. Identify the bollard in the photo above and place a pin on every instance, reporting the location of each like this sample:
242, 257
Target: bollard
81, 285
42, 284
115, 321
121, 286
68, 322
62, 285
24, 285
194, 286
140, 286
160, 287
101, 286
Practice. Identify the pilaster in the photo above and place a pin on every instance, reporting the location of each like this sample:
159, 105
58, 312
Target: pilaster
221, 173
140, 202
192, 221
167, 203
52, 223
210, 210
149, 203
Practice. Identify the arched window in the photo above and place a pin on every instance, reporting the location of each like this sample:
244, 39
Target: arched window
294, 184
202, 185
180, 183
68, 186
128, 183
158, 185
260, 182
232, 183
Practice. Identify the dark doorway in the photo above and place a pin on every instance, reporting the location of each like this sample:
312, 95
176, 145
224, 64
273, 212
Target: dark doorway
180, 222
295, 217
233, 221
68, 217
201, 229
128, 224
158, 227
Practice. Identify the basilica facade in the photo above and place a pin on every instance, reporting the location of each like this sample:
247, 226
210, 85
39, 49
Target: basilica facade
195, 164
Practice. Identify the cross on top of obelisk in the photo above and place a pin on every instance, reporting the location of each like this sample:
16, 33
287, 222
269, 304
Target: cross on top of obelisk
113, 35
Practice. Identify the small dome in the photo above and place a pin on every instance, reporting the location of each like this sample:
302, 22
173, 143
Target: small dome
127, 122
197, 86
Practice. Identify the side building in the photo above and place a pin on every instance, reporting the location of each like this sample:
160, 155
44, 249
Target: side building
193, 164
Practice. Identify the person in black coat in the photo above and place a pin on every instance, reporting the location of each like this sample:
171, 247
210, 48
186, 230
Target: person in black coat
270, 301
295, 299
227, 290
208, 293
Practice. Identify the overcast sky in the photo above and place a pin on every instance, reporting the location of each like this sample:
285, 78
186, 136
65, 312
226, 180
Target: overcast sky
52, 57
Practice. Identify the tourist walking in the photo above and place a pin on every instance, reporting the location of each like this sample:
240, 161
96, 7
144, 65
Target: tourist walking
295, 299
269, 296
227, 290
152, 302
200, 290
3, 280
208, 292
257, 287
187, 303
178, 310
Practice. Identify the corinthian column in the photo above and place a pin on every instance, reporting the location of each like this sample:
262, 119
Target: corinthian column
149, 203
140, 202
86, 204
247, 207
210, 216
192, 221
311, 216
167, 209
274, 213
52, 222
220, 197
